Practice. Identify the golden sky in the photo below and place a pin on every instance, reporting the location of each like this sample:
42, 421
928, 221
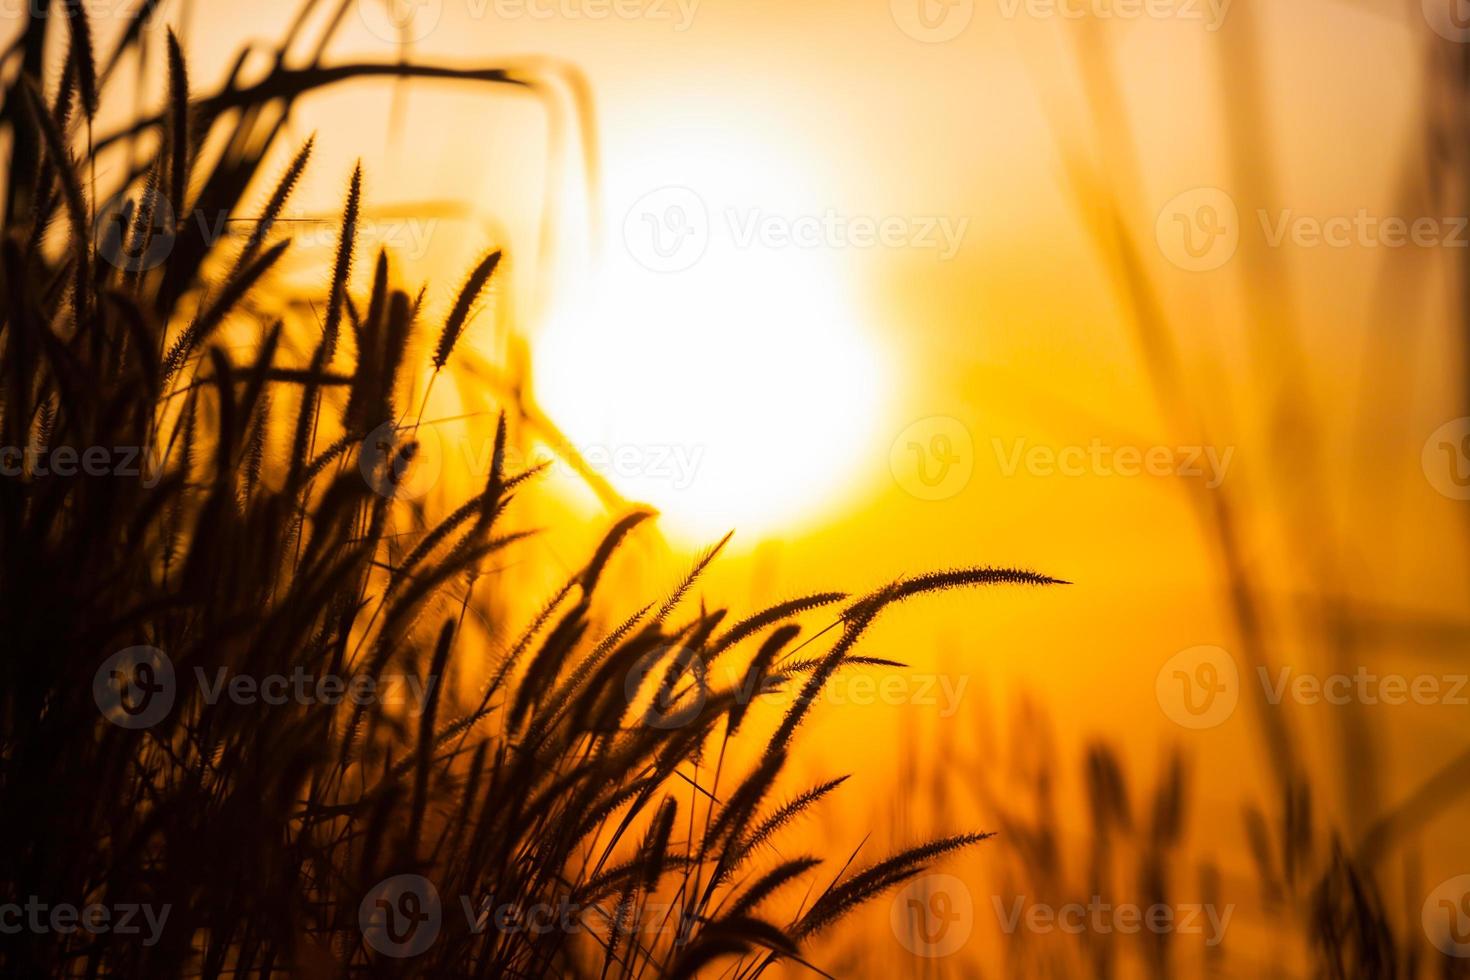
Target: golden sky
895, 273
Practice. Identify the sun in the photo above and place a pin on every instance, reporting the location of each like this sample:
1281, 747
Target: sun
744, 391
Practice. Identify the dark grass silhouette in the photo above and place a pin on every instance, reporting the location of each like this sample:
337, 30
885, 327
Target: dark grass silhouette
1318, 907
589, 772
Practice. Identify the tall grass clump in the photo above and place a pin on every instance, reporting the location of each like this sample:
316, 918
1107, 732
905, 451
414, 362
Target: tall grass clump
235, 512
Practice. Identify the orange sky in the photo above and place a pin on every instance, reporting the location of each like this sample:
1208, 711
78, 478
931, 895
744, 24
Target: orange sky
827, 106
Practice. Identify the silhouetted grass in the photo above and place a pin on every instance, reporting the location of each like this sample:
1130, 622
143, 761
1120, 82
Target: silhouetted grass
267, 832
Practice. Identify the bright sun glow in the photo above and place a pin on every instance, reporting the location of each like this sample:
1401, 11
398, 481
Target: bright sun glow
742, 391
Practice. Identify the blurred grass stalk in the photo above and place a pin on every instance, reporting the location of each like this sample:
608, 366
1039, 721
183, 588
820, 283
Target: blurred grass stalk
1320, 859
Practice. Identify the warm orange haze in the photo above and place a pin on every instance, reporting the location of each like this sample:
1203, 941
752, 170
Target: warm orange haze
1083, 381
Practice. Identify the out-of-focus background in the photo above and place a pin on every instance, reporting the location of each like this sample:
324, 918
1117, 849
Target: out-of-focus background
1164, 297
